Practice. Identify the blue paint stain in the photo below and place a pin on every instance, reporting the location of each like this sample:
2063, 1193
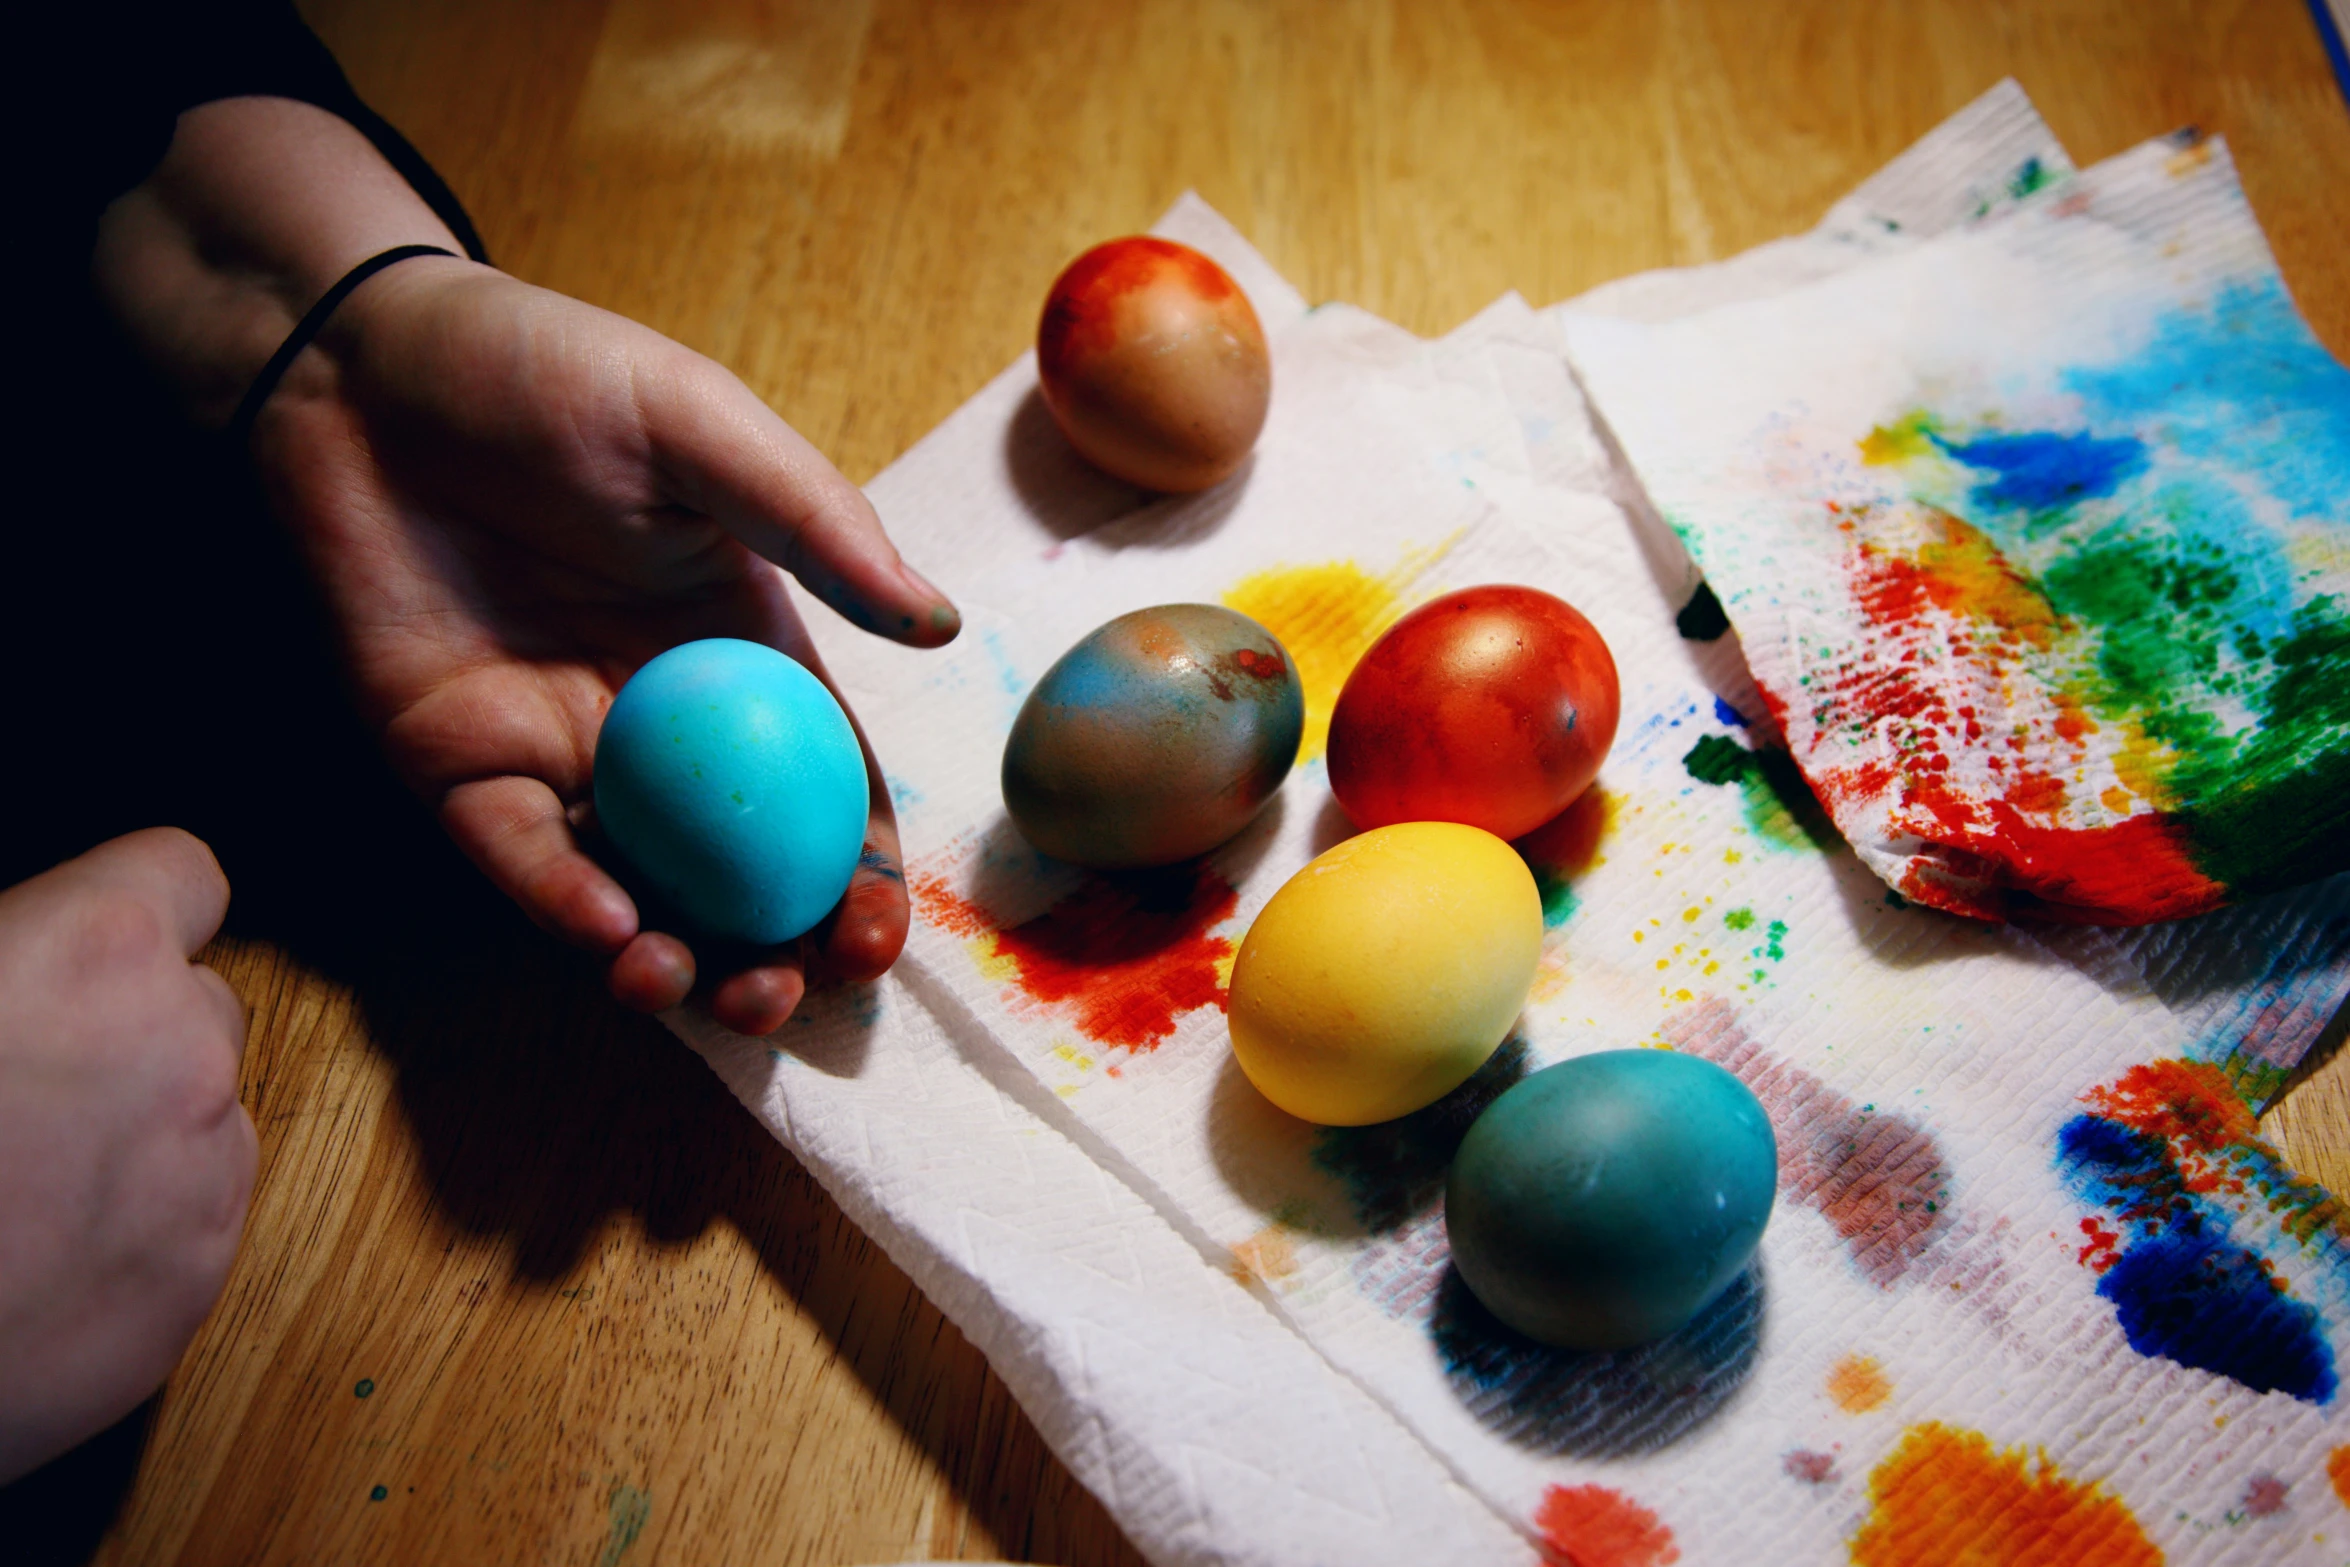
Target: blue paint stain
2181, 1286
1728, 714
2242, 386
2040, 470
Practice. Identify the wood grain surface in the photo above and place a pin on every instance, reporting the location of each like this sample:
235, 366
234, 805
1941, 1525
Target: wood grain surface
521, 1283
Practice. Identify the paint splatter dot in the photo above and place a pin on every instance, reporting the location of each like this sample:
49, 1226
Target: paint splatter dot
1811, 1468
1858, 1384
365, 1388
1592, 1526
378, 1493
1944, 1495
1270, 1254
1125, 954
2264, 1496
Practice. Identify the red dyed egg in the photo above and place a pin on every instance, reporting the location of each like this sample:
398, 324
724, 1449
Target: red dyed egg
1492, 706
1153, 363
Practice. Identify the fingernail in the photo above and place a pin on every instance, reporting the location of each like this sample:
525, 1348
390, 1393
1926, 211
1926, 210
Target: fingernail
943, 614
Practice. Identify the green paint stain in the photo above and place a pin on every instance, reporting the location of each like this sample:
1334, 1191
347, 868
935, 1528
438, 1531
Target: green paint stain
1777, 947
1780, 807
1558, 899
631, 1507
379, 1493
1739, 919
2261, 803
366, 1386
2033, 176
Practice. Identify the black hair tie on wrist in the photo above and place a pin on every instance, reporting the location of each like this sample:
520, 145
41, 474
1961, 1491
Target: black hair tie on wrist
240, 425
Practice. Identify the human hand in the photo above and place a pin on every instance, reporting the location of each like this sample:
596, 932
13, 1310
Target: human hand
511, 501
125, 1158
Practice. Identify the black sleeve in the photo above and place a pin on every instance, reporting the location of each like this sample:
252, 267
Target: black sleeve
117, 78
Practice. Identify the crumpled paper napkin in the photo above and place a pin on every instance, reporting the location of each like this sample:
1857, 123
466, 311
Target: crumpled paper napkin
2033, 1277
2037, 540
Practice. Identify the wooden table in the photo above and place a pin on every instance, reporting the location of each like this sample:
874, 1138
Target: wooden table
521, 1283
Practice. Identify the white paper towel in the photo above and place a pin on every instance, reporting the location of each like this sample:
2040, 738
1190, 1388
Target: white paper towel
1085, 1187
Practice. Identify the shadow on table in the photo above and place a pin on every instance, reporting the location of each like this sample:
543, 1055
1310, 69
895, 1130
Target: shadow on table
177, 674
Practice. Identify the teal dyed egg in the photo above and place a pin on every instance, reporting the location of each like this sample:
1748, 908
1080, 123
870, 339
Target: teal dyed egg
1156, 738
1607, 1200
732, 781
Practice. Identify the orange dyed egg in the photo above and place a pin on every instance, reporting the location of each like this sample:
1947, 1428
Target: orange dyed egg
1153, 364
1493, 706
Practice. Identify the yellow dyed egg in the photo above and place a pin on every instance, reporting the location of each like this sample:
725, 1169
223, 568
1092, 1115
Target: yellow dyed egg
1386, 972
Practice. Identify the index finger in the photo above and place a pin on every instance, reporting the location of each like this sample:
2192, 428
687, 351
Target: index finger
724, 453
171, 871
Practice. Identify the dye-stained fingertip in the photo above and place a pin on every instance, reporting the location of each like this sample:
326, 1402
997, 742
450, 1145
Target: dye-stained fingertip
936, 625
652, 973
760, 1000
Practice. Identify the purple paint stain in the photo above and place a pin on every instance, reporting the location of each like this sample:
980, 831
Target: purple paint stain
1811, 1468
2265, 1496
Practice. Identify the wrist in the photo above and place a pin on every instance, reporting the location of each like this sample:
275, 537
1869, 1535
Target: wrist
260, 206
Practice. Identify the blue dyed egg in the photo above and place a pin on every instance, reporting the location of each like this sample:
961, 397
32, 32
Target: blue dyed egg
1154, 739
732, 781
1607, 1200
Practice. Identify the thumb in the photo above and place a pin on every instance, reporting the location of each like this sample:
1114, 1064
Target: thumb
724, 453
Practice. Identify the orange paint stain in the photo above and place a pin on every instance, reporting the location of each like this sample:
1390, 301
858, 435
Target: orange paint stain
1945, 1495
1592, 1526
1124, 956
1270, 1254
1327, 616
1858, 1384
2338, 1471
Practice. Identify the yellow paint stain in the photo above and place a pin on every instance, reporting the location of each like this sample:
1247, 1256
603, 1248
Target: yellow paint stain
1902, 441
1965, 574
1682, 995
2117, 800
1690, 914
1640, 935
2185, 162
1946, 1495
993, 963
1858, 1384
2143, 763
1328, 616
1731, 856
1550, 977
1075, 1057
1270, 1255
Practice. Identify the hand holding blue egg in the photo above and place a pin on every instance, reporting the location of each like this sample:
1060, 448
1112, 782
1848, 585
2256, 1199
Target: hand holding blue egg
729, 777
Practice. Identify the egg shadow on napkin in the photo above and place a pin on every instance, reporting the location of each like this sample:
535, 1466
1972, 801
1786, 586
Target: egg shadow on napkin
1070, 498
1379, 1181
1598, 1404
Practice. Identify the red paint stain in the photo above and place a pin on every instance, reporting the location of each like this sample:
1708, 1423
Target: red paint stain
2104, 1248
1264, 666
2264, 1497
1957, 617
1878, 1178
2215, 1145
1124, 956
1592, 1526
1945, 1495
